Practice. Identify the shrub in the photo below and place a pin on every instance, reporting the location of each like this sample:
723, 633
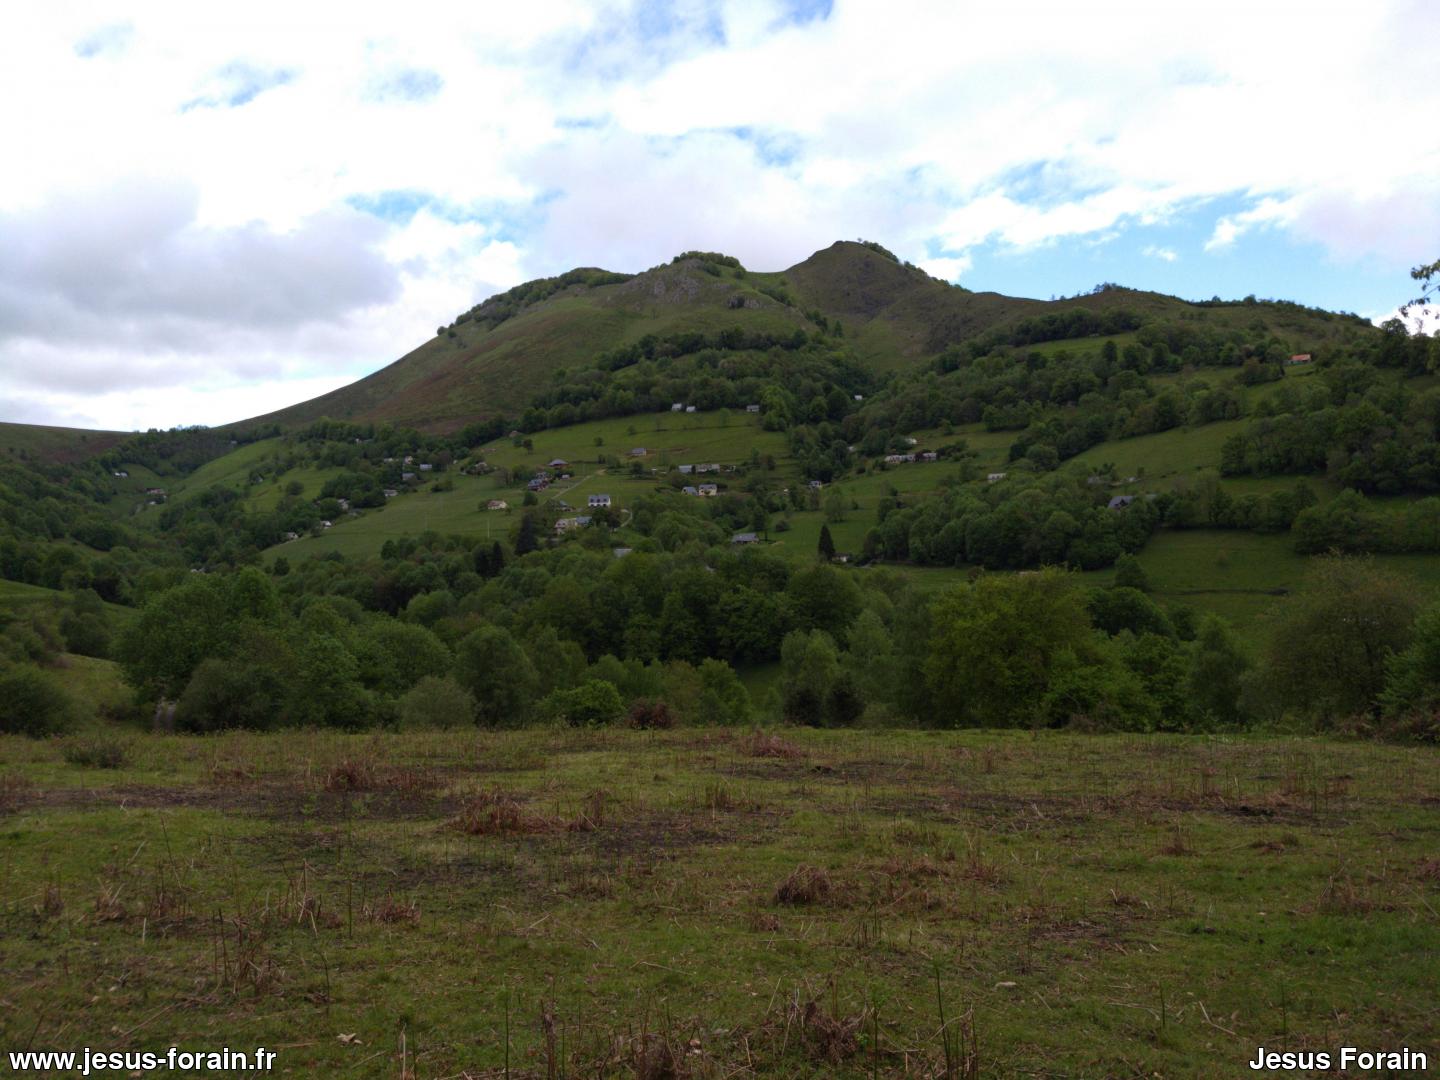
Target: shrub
591, 704
437, 703
32, 703
97, 752
649, 716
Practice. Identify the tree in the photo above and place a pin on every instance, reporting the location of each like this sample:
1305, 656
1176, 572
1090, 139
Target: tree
836, 505
1217, 666
1327, 657
436, 703
826, 547
490, 663
525, 536
723, 698
1130, 574
993, 644
809, 665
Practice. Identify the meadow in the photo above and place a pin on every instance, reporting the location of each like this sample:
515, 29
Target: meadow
721, 903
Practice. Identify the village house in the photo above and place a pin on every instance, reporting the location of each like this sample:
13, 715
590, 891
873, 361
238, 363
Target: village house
1119, 502
929, 455
679, 406
390, 493
122, 474
621, 552
745, 538
326, 524
566, 524
752, 408
559, 463
497, 504
707, 468
1298, 358
154, 491
816, 485
709, 490
407, 476
597, 501
639, 451
689, 490
995, 478
426, 468
689, 408
292, 536
686, 470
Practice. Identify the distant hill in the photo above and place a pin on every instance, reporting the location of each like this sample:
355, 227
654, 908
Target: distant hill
493, 359
60, 444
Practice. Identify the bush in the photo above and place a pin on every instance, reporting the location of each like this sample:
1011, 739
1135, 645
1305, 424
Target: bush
33, 703
649, 716
97, 752
591, 704
437, 703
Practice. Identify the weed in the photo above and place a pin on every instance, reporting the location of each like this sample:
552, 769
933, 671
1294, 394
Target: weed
759, 744
497, 813
805, 885
351, 774
97, 752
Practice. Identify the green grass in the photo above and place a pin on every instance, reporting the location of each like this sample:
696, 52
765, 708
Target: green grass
1090, 906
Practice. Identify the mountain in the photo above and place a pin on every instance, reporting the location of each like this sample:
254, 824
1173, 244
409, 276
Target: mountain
493, 359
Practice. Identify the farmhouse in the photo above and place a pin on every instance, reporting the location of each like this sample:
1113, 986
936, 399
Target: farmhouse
745, 538
709, 490
679, 406
689, 490
752, 408
995, 478
426, 468
565, 524
707, 468
1298, 358
599, 500
689, 408
407, 476
929, 455
639, 451
1119, 502
686, 470
122, 474
559, 463
390, 493
497, 504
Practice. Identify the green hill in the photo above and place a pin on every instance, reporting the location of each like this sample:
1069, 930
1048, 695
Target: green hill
496, 358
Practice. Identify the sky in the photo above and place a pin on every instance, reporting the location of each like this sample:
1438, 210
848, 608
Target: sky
210, 212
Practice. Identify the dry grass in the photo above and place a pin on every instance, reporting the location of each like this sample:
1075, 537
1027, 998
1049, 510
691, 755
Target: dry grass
498, 813
805, 885
762, 745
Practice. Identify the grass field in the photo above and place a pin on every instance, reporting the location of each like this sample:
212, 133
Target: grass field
706, 903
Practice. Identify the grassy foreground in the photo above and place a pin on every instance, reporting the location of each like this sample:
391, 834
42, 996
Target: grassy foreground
711, 903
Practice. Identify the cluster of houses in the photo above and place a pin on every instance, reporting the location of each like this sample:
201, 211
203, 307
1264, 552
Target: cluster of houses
902, 459
704, 491
686, 470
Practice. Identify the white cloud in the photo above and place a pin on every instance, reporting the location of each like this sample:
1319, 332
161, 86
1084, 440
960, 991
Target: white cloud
164, 238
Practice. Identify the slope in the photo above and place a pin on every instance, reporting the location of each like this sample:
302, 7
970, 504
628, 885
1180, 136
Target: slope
493, 359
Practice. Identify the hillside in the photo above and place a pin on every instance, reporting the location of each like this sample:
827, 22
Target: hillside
494, 360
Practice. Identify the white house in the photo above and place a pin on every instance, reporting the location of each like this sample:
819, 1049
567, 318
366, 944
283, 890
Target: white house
752, 408
994, 477
708, 490
599, 501
497, 504
679, 406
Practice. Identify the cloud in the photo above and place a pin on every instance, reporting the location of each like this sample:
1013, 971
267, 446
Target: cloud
237, 83
406, 84
241, 190
108, 40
